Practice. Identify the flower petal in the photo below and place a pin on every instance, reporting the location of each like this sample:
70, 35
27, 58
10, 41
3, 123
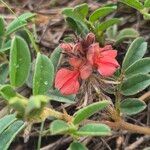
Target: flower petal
106, 48
75, 62
67, 81
93, 51
85, 71
110, 53
106, 69
71, 88
109, 60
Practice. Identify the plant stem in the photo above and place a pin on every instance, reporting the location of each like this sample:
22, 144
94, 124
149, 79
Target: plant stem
40, 136
145, 97
110, 82
128, 126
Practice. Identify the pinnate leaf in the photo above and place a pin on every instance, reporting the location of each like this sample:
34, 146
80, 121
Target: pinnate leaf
6, 121
135, 52
10, 133
19, 22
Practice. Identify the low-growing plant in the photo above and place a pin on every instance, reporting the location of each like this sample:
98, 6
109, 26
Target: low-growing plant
142, 7
90, 69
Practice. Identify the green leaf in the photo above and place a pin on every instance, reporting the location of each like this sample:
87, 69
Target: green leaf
55, 57
88, 111
69, 12
19, 22
94, 130
6, 121
2, 31
36, 103
132, 106
32, 39
111, 32
147, 3
3, 72
82, 9
57, 96
127, 33
135, 52
20, 61
6, 46
43, 75
75, 21
146, 16
19, 104
10, 133
58, 127
106, 24
141, 66
100, 13
77, 146
133, 3
2, 26
79, 28
7, 92
135, 84
29, 80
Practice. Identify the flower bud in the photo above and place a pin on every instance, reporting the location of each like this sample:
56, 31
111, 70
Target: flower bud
66, 47
90, 38
78, 47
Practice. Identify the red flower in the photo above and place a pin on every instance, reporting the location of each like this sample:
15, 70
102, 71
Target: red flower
84, 68
83, 57
103, 59
67, 81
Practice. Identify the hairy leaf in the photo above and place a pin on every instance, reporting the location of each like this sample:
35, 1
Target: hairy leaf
141, 66
135, 84
100, 13
94, 130
132, 106
20, 61
58, 127
89, 110
43, 75
135, 52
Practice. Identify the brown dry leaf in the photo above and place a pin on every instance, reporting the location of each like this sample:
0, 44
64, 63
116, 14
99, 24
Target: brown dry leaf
41, 19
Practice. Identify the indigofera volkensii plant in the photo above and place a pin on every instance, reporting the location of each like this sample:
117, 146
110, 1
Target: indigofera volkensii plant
90, 65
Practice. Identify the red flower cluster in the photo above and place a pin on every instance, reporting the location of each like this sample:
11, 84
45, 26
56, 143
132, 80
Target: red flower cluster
83, 57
